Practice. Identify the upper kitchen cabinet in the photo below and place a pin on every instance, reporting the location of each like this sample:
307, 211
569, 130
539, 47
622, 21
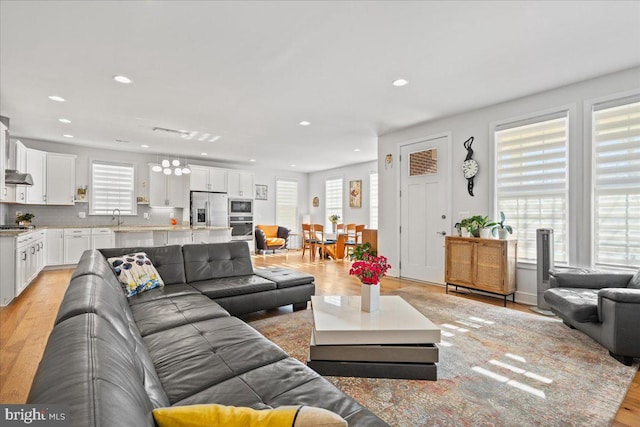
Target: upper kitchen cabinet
61, 179
240, 184
203, 178
3, 159
166, 190
36, 165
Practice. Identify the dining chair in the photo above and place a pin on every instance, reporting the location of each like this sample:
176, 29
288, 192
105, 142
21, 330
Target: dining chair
308, 242
326, 246
340, 229
351, 241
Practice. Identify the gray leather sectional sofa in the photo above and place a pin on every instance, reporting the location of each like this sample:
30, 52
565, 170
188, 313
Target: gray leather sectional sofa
113, 359
603, 305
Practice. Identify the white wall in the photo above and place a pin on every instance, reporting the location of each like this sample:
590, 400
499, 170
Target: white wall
477, 123
359, 171
264, 211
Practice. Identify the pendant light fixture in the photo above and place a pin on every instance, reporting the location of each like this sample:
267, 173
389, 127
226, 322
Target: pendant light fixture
166, 167
157, 167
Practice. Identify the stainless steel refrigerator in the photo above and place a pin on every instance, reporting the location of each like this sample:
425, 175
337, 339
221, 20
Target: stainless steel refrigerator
209, 209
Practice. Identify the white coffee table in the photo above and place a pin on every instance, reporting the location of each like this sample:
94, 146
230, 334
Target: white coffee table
395, 342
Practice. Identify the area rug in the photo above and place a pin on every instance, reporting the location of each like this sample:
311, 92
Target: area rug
498, 367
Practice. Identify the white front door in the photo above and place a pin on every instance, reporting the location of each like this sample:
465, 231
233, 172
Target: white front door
424, 208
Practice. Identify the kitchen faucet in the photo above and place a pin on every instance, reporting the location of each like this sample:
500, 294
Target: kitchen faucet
114, 216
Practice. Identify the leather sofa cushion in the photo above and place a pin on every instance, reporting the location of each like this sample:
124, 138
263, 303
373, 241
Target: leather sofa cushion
164, 292
216, 260
161, 314
231, 286
284, 277
275, 241
587, 278
269, 231
193, 357
167, 260
579, 305
89, 367
635, 281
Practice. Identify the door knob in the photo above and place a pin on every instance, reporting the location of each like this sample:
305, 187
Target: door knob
444, 233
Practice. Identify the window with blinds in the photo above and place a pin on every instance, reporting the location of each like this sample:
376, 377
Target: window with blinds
112, 187
616, 183
373, 200
532, 181
287, 203
333, 196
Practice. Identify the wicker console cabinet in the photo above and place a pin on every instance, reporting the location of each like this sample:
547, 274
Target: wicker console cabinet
488, 265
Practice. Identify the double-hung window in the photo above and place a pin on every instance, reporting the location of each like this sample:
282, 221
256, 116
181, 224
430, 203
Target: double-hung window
532, 180
112, 187
333, 196
287, 203
616, 183
373, 200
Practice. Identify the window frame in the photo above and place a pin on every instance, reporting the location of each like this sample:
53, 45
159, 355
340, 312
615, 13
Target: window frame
326, 201
573, 173
296, 214
133, 166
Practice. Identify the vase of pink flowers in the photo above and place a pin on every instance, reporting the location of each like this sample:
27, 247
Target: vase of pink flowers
370, 270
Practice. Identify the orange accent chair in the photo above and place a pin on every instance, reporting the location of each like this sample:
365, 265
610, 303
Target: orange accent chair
271, 237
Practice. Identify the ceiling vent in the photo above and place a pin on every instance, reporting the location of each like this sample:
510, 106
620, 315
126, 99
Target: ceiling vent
176, 131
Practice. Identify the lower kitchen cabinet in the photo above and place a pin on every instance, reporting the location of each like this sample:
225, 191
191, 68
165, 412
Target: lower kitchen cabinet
102, 238
76, 241
54, 242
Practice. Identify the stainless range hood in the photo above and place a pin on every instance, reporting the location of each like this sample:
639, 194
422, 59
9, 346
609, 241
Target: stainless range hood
12, 176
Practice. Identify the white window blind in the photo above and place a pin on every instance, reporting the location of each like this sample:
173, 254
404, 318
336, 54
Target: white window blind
287, 203
333, 195
373, 200
112, 187
532, 181
616, 183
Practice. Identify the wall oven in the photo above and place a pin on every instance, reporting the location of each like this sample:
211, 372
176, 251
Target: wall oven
241, 227
240, 207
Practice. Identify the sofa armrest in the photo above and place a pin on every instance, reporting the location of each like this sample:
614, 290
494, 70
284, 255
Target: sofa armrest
261, 239
587, 278
283, 233
619, 313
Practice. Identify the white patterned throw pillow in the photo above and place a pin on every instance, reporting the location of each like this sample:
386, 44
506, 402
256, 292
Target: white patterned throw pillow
136, 272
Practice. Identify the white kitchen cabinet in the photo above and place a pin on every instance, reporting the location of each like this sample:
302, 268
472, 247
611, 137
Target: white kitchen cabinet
203, 178
131, 239
54, 239
102, 238
76, 241
166, 190
29, 259
200, 236
37, 167
180, 237
20, 191
3, 160
240, 184
61, 179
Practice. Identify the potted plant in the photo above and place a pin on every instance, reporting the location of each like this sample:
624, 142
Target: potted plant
482, 226
502, 229
463, 227
370, 270
24, 218
360, 251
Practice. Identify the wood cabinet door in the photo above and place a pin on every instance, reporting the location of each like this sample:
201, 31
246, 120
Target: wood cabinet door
459, 265
489, 266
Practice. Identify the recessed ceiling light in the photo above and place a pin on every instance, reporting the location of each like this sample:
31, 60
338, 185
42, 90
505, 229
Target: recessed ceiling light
144, 146
66, 135
64, 120
304, 123
203, 154
252, 160
400, 82
56, 98
293, 166
122, 79
356, 149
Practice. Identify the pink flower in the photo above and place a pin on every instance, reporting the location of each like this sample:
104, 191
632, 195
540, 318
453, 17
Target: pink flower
370, 269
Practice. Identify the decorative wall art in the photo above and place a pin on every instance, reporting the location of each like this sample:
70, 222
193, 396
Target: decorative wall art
388, 161
355, 194
316, 202
262, 192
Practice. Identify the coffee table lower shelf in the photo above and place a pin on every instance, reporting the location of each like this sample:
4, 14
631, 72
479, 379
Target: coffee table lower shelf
403, 371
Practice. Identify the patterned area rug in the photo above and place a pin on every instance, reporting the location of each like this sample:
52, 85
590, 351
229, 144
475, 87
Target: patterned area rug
498, 367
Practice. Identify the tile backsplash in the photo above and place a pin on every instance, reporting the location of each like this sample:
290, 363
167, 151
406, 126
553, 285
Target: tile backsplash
70, 215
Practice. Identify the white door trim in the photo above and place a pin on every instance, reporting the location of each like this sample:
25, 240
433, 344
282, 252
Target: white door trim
449, 136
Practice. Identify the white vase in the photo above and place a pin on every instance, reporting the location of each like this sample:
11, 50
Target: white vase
503, 233
485, 233
465, 232
370, 298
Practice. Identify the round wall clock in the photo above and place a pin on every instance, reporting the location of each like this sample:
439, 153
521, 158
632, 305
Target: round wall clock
469, 166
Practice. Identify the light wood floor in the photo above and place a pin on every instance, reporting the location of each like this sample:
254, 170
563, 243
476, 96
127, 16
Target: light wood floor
26, 323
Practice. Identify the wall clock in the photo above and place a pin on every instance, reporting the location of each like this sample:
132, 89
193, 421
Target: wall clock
469, 166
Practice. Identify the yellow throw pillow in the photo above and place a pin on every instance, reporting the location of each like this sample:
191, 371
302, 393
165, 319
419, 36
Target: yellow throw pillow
232, 416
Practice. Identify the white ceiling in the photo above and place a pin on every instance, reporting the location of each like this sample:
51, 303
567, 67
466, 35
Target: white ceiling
251, 71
